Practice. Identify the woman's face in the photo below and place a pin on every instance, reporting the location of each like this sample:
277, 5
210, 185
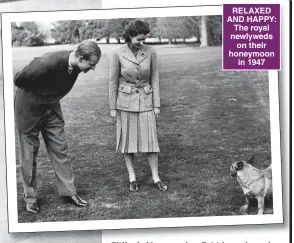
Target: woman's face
137, 41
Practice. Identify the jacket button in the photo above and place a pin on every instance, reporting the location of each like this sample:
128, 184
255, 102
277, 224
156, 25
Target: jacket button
137, 91
122, 88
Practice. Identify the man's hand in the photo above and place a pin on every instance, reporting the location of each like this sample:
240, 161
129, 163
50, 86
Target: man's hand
156, 112
113, 114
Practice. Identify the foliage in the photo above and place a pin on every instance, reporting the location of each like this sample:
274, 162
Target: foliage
214, 30
67, 31
74, 31
153, 26
192, 24
92, 29
26, 34
114, 28
175, 27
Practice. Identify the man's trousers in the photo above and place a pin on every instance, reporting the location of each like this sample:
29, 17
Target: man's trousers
51, 127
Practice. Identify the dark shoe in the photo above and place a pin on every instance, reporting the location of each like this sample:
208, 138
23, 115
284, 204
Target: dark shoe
32, 207
78, 201
160, 186
134, 186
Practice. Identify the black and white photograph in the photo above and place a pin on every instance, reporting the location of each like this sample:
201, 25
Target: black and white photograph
125, 119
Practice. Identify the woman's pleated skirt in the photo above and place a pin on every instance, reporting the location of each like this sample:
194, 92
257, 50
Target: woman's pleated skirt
136, 132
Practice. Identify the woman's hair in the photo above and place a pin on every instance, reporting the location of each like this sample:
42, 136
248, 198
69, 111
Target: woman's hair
135, 28
88, 48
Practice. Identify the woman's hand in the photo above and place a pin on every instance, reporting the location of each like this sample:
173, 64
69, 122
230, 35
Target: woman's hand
156, 112
113, 114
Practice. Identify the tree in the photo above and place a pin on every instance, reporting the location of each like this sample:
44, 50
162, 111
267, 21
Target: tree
174, 27
77, 34
214, 30
114, 28
208, 29
91, 29
203, 28
67, 31
193, 24
153, 26
26, 34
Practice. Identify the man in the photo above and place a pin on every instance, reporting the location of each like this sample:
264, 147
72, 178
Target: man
41, 84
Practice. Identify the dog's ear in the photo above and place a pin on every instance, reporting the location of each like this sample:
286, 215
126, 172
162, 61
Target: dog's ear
239, 165
250, 161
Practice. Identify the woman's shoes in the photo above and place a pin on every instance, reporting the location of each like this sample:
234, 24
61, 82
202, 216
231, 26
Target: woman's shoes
134, 186
160, 186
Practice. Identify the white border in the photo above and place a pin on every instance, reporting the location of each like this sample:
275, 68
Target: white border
14, 226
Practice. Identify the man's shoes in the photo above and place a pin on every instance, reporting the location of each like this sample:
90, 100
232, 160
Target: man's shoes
32, 207
134, 186
75, 199
160, 186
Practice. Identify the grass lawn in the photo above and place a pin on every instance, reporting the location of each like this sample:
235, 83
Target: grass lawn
209, 118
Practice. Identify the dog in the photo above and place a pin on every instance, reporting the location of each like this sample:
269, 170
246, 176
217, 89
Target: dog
255, 183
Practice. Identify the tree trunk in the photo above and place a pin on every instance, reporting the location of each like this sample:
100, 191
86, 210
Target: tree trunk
170, 40
107, 40
203, 32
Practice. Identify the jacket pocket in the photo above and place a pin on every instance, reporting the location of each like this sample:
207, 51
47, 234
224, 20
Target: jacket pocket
124, 96
148, 96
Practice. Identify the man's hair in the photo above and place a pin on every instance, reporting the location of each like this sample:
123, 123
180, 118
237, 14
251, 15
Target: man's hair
88, 48
135, 28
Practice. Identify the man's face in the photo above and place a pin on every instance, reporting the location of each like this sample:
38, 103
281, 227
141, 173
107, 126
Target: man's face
86, 65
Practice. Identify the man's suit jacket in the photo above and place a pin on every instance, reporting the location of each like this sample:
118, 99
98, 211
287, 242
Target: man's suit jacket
41, 84
134, 82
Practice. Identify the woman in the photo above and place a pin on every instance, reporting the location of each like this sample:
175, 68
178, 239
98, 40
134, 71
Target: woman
134, 100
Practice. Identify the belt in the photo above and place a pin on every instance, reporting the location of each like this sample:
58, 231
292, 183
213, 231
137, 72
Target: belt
134, 85
139, 85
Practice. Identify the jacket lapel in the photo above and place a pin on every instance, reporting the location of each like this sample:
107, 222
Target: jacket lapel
142, 54
128, 54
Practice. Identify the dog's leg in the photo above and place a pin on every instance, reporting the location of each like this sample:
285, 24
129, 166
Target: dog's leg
244, 208
260, 204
